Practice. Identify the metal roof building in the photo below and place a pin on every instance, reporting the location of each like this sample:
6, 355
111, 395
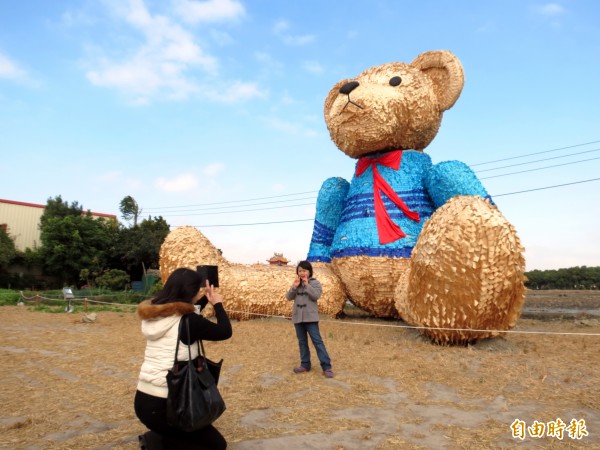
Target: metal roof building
21, 221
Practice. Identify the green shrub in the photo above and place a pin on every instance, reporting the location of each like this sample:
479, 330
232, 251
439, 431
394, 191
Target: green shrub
113, 279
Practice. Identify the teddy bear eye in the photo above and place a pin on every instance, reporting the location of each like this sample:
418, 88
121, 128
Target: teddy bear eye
395, 81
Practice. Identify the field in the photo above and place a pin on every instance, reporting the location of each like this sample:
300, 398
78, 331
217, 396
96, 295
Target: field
67, 384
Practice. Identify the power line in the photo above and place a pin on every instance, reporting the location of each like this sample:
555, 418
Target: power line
313, 198
538, 168
248, 224
179, 207
540, 160
233, 201
306, 220
240, 211
536, 153
242, 206
547, 187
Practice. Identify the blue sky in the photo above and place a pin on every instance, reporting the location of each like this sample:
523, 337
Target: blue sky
211, 112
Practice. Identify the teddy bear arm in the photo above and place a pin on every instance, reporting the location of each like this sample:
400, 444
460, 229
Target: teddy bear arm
451, 178
330, 204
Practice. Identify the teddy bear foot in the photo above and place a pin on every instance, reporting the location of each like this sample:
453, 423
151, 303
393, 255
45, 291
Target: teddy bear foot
466, 279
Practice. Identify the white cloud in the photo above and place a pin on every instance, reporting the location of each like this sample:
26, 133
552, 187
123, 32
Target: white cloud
221, 38
280, 29
109, 177
298, 41
312, 67
269, 65
168, 63
550, 9
291, 128
116, 178
236, 92
213, 169
281, 26
160, 66
10, 69
181, 183
193, 11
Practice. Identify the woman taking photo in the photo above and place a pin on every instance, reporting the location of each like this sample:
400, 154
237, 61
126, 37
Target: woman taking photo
160, 325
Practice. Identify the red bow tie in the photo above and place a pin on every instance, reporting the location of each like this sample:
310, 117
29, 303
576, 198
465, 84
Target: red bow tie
388, 230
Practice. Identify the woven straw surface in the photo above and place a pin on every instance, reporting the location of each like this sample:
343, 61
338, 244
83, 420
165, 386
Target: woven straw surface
467, 272
371, 282
377, 116
249, 290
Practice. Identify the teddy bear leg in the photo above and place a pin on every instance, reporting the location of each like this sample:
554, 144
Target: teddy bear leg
371, 282
330, 203
467, 274
249, 291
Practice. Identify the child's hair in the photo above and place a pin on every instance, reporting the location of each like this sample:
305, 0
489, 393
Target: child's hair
181, 286
306, 266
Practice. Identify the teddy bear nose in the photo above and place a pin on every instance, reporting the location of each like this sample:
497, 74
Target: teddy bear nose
349, 87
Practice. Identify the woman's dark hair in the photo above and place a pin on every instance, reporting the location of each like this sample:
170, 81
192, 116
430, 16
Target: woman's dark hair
306, 266
181, 286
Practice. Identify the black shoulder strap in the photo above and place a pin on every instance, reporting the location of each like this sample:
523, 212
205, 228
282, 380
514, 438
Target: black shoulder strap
186, 319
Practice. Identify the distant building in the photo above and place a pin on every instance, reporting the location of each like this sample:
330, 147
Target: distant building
21, 221
278, 260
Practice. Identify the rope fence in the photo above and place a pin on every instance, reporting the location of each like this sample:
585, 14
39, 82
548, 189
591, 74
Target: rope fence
383, 325
88, 299
38, 298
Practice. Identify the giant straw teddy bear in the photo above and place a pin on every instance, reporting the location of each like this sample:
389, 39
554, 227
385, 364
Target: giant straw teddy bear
410, 239
405, 238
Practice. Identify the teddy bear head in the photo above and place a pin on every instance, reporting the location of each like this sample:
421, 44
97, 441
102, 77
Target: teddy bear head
394, 106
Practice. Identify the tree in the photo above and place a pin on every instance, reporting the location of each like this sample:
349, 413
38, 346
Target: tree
7, 247
570, 278
72, 241
130, 209
113, 279
139, 246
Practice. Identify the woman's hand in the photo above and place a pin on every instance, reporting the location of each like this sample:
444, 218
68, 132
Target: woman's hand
213, 296
296, 282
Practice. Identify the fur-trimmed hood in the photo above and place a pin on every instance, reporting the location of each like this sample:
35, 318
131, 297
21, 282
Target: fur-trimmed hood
147, 311
158, 319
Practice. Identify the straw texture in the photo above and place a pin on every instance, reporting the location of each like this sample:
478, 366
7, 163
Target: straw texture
467, 272
371, 282
249, 291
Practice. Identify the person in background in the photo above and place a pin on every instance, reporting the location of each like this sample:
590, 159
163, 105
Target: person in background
181, 296
305, 291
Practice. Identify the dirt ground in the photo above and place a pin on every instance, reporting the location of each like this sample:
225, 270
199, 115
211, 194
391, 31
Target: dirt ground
66, 384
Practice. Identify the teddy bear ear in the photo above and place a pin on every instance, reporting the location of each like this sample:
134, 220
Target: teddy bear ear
446, 72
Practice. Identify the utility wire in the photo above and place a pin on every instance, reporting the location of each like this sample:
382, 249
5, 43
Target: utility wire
233, 201
231, 207
536, 153
247, 224
207, 206
547, 187
240, 211
306, 220
538, 168
314, 198
539, 160
242, 206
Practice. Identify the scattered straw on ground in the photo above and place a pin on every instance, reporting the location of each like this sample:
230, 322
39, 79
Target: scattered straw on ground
67, 384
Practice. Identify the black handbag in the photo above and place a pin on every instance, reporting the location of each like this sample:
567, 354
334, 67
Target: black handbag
213, 367
193, 401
